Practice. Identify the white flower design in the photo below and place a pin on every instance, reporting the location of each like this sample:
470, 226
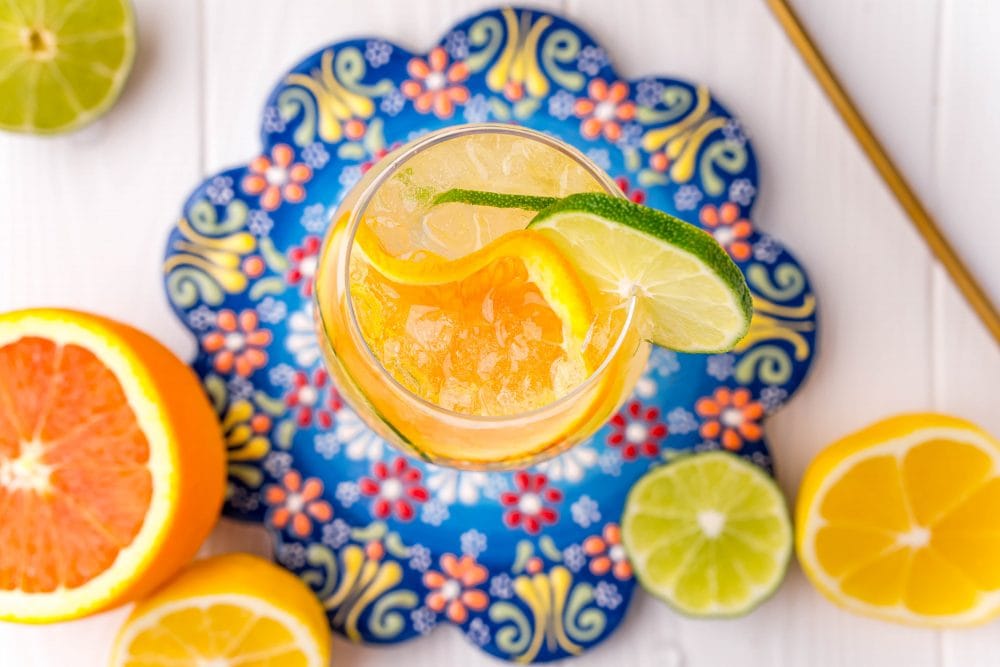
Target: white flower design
259, 223
420, 557
733, 131
378, 52
241, 499
292, 555
649, 92
680, 421
272, 310
742, 191
477, 110
393, 102
362, 442
664, 362
473, 542
571, 465
314, 218
561, 104
240, 388
591, 59
687, 197
720, 366
645, 387
449, 485
606, 595
326, 444
772, 397
315, 155
349, 176
336, 534
347, 493
277, 464
600, 157
201, 318
585, 511
456, 43
611, 462
501, 586
281, 375
434, 512
574, 558
220, 190
273, 120
423, 620
766, 249
478, 632
631, 136
301, 340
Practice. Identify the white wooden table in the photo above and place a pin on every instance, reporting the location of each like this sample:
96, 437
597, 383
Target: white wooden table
83, 219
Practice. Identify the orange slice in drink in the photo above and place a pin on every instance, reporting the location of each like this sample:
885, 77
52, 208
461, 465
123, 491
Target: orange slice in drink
502, 330
899, 521
111, 464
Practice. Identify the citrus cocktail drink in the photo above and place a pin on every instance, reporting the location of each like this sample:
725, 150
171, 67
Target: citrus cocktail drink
485, 296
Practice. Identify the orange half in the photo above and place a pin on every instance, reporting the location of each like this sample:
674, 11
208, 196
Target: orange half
111, 464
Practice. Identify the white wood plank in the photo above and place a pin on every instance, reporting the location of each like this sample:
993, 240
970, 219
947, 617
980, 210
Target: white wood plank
83, 219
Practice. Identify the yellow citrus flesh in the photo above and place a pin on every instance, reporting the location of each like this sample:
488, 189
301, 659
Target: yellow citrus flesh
111, 464
898, 521
234, 609
505, 329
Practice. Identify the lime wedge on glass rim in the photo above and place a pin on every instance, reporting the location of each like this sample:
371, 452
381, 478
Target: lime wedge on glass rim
63, 63
693, 297
709, 534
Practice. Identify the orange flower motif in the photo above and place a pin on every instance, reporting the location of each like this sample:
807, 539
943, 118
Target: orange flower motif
608, 553
730, 417
659, 161
728, 228
276, 177
295, 502
602, 110
433, 83
455, 590
237, 343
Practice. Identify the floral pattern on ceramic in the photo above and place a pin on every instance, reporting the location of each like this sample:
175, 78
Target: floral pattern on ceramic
528, 564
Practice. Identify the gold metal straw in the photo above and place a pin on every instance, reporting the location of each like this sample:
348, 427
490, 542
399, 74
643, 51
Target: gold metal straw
921, 219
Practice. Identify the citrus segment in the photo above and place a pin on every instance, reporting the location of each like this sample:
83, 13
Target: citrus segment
693, 297
111, 464
709, 534
234, 609
62, 63
898, 521
500, 331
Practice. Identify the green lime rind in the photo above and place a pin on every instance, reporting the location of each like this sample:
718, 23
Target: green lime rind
674, 240
63, 63
493, 199
709, 534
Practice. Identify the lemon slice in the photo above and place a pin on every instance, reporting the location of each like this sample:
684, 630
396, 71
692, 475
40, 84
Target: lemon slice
62, 62
234, 609
708, 534
898, 521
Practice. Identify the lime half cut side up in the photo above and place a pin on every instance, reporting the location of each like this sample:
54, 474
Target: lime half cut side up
63, 63
692, 295
709, 534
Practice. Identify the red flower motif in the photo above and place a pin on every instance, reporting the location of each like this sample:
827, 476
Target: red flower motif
275, 177
294, 502
395, 489
637, 195
308, 397
527, 504
729, 229
637, 430
607, 553
602, 110
304, 259
455, 589
434, 83
730, 417
237, 342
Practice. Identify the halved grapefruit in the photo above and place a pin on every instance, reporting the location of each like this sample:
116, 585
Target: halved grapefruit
111, 464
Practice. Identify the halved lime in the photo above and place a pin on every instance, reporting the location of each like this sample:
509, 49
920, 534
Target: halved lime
62, 62
693, 296
709, 534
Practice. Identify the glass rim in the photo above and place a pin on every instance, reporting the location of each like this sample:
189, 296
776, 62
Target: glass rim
423, 143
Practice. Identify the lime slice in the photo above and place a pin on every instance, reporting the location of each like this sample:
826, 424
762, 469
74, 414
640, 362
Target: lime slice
693, 297
709, 534
62, 62
494, 199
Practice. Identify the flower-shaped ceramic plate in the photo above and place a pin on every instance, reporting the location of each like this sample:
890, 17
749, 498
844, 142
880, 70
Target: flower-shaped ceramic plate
528, 564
